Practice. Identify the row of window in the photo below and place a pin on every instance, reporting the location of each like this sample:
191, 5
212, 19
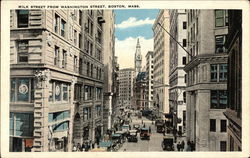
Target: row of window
223, 125
88, 92
218, 73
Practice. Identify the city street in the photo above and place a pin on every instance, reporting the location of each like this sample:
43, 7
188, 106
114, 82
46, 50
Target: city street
154, 144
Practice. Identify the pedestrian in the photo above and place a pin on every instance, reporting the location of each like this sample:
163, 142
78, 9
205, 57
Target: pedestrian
78, 147
83, 146
149, 129
192, 145
175, 146
179, 146
74, 148
182, 145
142, 122
144, 125
188, 146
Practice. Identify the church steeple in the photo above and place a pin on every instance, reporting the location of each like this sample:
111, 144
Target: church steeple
138, 58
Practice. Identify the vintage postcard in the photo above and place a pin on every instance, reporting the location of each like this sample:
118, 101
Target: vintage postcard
125, 79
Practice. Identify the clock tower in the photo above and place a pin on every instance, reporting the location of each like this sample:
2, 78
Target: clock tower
138, 58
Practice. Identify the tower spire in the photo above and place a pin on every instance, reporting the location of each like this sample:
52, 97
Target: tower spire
138, 43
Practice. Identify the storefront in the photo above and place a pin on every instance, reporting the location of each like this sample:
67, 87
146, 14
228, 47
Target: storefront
21, 132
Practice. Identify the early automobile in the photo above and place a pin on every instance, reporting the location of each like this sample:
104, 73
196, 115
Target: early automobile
123, 135
103, 147
132, 136
117, 141
168, 143
137, 127
145, 134
160, 127
125, 127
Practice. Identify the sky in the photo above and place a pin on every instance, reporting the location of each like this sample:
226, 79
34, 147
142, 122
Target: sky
130, 25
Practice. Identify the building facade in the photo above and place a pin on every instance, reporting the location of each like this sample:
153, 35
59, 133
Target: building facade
108, 60
138, 58
140, 91
206, 68
161, 63
150, 80
177, 98
126, 84
234, 84
56, 74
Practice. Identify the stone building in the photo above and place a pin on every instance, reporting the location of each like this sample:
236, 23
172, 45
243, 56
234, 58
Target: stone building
115, 90
126, 81
234, 84
150, 80
140, 91
108, 60
56, 74
206, 91
161, 63
177, 98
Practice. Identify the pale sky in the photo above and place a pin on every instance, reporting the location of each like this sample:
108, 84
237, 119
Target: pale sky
130, 25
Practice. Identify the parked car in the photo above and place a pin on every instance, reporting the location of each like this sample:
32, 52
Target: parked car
168, 143
132, 136
145, 134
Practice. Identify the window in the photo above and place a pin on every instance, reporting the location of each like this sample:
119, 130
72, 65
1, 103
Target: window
98, 110
53, 117
220, 44
80, 41
221, 18
223, 72
91, 70
80, 65
86, 113
56, 23
98, 93
64, 54
223, 125
22, 90
184, 97
88, 91
61, 127
63, 26
218, 72
212, 125
58, 91
21, 124
90, 27
218, 99
98, 54
184, 42
184, 25
23, 51
88, 68
80, 17
184, 60
78, 92
75, 63
22, 18
56, 56
99, 37
223, 146
75, 37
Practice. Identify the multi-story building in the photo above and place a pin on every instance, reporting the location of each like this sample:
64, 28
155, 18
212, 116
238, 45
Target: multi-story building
234, 84
138, 58
115, 89
161, 63
56, 74
126, 78
108, 59
150, 80
177, 100
206, 68
140, 91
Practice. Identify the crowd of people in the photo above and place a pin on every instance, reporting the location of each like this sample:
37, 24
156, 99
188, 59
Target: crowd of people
181, 146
